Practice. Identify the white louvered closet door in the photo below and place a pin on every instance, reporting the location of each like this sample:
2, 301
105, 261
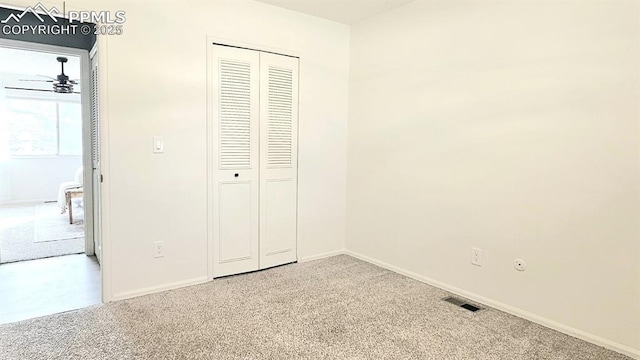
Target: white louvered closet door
235, 161
278, 159
95, 159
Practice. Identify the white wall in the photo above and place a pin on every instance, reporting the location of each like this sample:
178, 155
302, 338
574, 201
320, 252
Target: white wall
508, 126
156, 85
37, 178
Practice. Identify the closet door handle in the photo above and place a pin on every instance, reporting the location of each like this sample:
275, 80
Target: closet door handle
236, 175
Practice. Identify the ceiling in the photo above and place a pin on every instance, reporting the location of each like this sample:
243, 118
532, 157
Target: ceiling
24, 64
344, 11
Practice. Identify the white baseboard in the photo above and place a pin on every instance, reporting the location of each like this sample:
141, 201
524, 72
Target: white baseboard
583, 335
159, 288
196, 281
322, 256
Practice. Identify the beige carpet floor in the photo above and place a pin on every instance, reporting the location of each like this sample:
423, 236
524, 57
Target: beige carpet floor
335, 308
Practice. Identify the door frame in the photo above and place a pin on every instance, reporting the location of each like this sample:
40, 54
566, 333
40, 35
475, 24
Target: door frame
86, 123
210, 41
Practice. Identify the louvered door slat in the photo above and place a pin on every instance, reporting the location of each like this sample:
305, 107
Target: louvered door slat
235, 115
279, 112
95, 128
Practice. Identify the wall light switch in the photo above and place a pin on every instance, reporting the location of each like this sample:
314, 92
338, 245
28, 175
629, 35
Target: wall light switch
158, 144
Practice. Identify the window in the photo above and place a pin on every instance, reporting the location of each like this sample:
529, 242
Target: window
69, 128
43, 127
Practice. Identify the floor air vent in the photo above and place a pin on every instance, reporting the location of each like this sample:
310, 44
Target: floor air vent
461, 303
470, 307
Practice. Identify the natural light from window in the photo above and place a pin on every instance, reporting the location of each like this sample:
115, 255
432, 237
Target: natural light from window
39, 127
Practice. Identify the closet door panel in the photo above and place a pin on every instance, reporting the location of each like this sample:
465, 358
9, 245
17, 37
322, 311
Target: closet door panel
235, 159
279, 220
235, 221
278, 159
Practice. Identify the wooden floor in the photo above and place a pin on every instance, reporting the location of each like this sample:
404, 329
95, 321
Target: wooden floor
41, 287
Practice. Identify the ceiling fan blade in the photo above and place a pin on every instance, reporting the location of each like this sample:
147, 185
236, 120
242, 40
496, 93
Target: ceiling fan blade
74, 82
36, 80
17, 88
39, 90
48, 77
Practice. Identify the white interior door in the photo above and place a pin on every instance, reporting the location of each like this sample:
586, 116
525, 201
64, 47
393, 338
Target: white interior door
235, 121
95, 158
278, 159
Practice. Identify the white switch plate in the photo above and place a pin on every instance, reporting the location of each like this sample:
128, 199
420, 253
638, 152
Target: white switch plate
158, 249
158, 144
476, 256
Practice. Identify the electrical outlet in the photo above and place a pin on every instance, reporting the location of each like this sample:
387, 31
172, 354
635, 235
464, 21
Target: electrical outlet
476, 256
158, 249
520, 264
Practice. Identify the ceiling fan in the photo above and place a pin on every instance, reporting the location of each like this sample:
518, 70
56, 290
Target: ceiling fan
61, 83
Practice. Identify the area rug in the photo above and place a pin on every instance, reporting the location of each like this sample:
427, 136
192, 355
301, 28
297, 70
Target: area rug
50, 225
18, 233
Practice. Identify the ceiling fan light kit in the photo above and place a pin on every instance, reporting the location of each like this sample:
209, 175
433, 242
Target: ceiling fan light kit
63, 88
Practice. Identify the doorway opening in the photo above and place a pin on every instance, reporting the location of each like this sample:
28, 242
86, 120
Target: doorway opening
49, 200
